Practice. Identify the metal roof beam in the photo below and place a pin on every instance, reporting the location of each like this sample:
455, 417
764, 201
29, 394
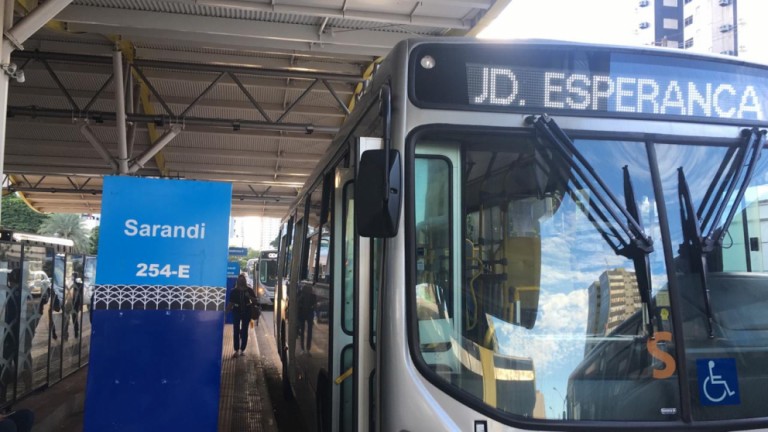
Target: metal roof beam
226, 31
241, 178
37, 18
35, 147
31, 168
189, 66
244, 155
158, 145
49, 93
161, 75
54, 194
352, 14
254, 56
208, 132
238, 169
98, 146
60, 161
235, 124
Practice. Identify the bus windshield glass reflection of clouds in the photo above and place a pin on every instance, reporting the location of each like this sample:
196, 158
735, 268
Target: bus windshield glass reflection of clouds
578, 244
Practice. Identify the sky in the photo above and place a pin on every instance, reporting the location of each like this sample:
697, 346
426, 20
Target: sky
253, 232
573, 20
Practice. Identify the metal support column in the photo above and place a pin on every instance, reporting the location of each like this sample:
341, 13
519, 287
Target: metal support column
14, 37
132, 96
161, 142
120, 117
33, 22
98, 146
6, 20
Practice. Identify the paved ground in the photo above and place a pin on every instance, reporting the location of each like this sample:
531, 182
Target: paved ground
287, 414
251, 392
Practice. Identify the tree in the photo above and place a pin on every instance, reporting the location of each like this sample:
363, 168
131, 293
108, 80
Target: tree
93, 241
252, 253
68, 226
18, 216
276, 242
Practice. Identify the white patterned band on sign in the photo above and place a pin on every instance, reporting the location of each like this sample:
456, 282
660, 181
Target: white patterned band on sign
158, 297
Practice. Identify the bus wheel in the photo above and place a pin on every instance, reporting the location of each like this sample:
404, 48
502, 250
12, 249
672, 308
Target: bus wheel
323, 405
287, 390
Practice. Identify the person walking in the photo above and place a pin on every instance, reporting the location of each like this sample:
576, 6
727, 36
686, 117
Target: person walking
241, 300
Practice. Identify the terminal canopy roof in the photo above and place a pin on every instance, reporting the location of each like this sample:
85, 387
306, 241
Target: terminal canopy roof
244, 91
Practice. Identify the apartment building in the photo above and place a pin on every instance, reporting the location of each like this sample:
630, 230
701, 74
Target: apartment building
728, 27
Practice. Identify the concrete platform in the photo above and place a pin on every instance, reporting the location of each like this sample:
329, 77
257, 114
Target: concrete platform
244, 404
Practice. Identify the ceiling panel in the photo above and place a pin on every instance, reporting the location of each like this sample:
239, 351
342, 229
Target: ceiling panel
275, 50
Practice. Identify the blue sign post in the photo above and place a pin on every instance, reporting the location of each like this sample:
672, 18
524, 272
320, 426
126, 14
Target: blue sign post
233, 271
155, 361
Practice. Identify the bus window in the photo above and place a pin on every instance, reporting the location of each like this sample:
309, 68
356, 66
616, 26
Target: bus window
313, 234
540, 287
348, 259
735, 278
324, 274
433, 232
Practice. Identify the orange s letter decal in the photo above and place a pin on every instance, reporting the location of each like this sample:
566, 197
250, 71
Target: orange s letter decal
669, 362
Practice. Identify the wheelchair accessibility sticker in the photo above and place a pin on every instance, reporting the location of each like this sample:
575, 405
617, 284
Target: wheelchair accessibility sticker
718, 381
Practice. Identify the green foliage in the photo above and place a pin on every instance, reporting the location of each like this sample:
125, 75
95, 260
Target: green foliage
17, 216
252, 253
68, 226
243, 261
93, 241
276, 242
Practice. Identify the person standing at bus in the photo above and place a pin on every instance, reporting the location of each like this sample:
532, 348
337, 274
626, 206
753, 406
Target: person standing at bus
241, 300
77, 302
307, 301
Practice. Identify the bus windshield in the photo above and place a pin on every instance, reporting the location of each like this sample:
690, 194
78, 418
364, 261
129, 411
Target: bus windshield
525, 305
268, 272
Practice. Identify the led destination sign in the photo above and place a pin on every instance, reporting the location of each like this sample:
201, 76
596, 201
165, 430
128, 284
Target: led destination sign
636, 93
533, 78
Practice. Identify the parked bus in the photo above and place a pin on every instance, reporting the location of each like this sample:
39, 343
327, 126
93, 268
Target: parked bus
534, 235
264, 274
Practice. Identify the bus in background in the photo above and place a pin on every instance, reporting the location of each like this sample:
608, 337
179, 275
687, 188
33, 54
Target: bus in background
264, 276
534, 235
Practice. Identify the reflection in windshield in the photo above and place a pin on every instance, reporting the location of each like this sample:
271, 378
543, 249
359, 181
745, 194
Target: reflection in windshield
626, 239
541, 287
523, 303
735, 327
703, 229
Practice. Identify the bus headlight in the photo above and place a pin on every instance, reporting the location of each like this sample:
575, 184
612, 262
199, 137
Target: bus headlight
261, 291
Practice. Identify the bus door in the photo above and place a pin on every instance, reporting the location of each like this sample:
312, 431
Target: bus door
354, 384
344, 300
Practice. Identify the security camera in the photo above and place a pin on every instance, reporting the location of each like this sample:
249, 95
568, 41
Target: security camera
13, 72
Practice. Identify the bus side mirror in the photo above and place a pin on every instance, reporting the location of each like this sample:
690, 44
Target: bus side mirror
377, 208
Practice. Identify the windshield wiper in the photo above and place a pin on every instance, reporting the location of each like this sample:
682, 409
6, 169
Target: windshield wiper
623, 232
702, 232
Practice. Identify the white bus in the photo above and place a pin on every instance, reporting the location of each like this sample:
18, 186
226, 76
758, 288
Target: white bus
264, 274
534, 235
